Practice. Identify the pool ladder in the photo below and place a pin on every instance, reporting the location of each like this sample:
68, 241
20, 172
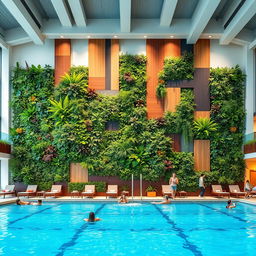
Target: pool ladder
140, 187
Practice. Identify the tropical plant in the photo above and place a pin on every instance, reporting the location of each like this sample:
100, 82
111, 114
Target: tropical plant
161, 91
151, 189
203, 128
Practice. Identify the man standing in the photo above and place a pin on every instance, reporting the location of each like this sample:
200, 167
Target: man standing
173, 183
201, 185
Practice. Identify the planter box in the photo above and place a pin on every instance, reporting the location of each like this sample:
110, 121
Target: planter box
151, 194
250, 148
5, 148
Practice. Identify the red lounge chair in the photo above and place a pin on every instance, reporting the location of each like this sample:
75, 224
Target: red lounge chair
31, 191
55, 191
89, 191
112, 191
166, 190
235, 191
9, 190
217, 191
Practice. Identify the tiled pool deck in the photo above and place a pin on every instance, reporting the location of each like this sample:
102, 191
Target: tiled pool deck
9, 200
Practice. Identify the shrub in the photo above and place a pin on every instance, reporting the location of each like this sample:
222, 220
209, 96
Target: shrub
100, 186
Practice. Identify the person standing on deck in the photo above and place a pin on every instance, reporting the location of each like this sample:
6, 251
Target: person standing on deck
201, 185
174, 181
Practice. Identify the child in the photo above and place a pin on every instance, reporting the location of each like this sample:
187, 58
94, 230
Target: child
230, 205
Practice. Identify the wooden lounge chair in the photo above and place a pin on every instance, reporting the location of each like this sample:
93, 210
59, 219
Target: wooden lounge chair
9, 190
166, 190
112, 191
89, 191
55, 191
217, 191
235, 191
30, 191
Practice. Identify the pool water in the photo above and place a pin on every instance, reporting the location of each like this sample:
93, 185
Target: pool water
132, 229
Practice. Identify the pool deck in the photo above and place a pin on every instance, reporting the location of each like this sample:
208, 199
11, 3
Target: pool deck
10, 200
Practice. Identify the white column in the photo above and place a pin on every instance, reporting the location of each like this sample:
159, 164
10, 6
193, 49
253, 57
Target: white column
250, 88
5, 111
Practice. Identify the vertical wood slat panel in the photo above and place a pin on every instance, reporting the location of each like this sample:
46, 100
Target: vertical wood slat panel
96, 52
62, 58
172, 99
202, 53
77, 173
114, 64
202, 155
201, 114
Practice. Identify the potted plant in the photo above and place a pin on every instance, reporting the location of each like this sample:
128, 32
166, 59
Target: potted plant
151, 191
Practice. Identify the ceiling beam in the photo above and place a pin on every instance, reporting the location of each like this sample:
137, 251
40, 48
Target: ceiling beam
243, 16
35, 11
3, 44
19, 12
62, 12
78, 12
200, 18
167, 12
125, 15
252, 45
232, 7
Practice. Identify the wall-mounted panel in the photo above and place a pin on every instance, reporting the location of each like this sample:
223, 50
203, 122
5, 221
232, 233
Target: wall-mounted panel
202, 53
201, 114
78, 173
114, 64
96, 52
202, 155
172, 99
62, 58
79, 52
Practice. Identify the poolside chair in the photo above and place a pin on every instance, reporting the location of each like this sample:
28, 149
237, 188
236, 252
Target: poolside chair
9, 190
89, 191
217, 191
166, 190
30, 191
112, 191
55, 191
235, 191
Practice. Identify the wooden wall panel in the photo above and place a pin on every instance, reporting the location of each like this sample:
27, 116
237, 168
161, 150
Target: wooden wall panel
172, 99
201, 114
77, 173
202, 53
96, 52
114, 64
62, 58
157, 50
202, 155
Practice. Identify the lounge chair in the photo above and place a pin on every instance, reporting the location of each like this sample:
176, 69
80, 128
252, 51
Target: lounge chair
235, 191
9, 190
55, 191
217, 191
166, 190
89, 191
30, 191
112, 191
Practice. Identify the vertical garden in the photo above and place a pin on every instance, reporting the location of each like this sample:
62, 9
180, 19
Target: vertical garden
111, 135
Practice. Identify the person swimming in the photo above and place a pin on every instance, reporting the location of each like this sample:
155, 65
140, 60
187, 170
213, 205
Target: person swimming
230, 205
166, 201
123, 199
92, 218
19, 202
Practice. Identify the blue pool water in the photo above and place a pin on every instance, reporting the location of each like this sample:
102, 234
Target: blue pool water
132, 229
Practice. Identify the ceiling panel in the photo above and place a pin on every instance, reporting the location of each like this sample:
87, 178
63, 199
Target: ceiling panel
48, 9
146, 9
7, 21
185, 9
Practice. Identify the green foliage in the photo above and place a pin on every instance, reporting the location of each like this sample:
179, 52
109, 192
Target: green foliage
227, 109
204, 128
100, 186
150, 189
161, 91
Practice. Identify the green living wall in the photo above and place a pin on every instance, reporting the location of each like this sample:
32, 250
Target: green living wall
109, 135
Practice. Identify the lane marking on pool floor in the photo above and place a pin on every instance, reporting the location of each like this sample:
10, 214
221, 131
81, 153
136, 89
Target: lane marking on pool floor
72, 241
188, 245
34, 213
225, 213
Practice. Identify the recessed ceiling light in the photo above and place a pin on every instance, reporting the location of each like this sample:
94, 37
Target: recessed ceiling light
145, 36
88, 36
115, 36
171, 36
210, 36
61, 36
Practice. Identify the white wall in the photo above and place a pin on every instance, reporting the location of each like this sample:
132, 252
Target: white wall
226, 55
79, 52
133, 46
33, 54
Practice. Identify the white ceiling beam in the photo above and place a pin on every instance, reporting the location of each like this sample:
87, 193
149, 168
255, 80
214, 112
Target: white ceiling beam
16, 36
19, 12
3, 44
125, 15
35, 11
232, 7
243, 16
200, 18
167, 12
78, 12
252, 45
62, 12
